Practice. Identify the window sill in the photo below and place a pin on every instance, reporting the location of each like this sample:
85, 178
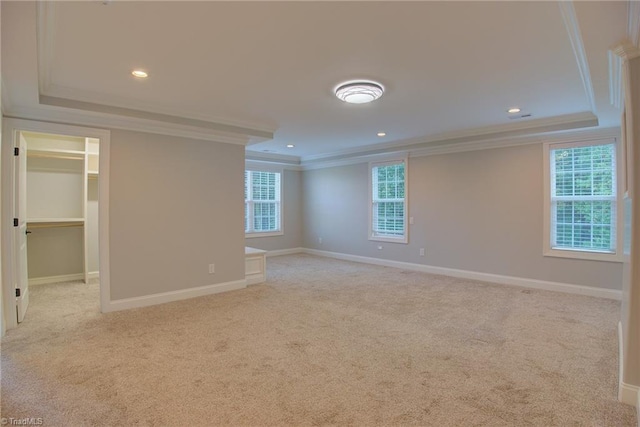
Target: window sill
402, 240
264, 234
586, 255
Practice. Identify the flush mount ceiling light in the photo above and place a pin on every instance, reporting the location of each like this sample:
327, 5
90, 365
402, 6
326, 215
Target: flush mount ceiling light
381, 134
290, 145
513, 110
359, 92
140, 73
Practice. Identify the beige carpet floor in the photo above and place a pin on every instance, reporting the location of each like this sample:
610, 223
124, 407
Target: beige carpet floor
321, 342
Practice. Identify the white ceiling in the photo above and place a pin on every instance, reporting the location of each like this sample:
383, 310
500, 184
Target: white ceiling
242, 71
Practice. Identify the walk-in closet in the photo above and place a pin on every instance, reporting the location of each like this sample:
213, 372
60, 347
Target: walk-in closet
62, 208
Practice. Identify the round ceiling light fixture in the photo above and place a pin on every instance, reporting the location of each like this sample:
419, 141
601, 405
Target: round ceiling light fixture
140, 74
359, 92
513, 110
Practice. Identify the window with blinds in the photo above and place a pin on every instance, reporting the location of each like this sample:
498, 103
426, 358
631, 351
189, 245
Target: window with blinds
583, 197
262, 202
388, 201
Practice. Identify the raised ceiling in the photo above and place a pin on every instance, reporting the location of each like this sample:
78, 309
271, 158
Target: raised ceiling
265, 72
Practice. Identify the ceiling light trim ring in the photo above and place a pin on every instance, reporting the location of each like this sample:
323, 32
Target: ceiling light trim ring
359, 92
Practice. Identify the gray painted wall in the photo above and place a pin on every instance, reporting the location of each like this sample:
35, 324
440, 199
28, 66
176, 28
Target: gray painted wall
176, 205
291, 216
478, 211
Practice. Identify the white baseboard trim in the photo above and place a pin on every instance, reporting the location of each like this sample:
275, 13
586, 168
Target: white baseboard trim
165, 297
280, 252
93, 275
254, 279
473, 275
55, 279
629, 394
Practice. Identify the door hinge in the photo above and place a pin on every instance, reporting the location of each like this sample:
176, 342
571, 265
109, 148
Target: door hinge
15, 222
17, 292
16, 151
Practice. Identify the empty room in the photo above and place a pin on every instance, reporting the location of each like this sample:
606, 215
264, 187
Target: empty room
285, 213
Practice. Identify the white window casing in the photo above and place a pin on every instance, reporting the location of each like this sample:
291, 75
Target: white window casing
582, 210
388, 200
263, 203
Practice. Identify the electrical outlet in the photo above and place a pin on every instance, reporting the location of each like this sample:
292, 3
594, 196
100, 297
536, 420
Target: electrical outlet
379, 247
319, 240
411, 220
421, 251
212, 268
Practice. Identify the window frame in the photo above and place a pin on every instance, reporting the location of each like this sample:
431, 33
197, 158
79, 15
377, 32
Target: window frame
280, 203
585, 254
404, 239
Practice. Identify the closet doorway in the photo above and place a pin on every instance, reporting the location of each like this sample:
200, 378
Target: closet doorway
55, 195
61, 207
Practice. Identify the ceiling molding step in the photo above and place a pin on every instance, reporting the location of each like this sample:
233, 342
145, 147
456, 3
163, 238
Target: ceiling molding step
284, 159
557, 137
365, 158
271, 165
45, 37
626, 51
633, 25
617, 56
575, 37
108, 122
528, 127
260, 129
616, 92
560, 137
225, 131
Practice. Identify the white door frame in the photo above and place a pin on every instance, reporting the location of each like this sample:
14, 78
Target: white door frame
10, 129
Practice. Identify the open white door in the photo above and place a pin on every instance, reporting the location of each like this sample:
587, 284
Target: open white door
20, 231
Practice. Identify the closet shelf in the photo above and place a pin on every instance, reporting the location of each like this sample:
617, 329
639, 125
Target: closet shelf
53, 220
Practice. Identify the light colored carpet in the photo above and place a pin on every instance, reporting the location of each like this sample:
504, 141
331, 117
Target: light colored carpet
322, 342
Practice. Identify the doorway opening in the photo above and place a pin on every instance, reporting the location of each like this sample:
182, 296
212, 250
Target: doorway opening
61, 208
54, 194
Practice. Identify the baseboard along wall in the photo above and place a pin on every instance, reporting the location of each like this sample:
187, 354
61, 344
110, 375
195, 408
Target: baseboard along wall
165, 297
474, 275
55, 279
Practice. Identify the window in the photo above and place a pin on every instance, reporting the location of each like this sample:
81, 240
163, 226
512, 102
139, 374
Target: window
388, 215
582, 197
262, 208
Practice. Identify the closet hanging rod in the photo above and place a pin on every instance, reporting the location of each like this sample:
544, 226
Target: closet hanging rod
54, 225
54, 156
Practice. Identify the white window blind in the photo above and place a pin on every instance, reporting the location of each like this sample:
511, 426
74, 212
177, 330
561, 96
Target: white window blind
583, 198
388, 201
262, 202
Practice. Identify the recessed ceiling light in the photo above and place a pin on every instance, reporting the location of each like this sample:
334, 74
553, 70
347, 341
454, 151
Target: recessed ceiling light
382, 134
513, 110
140, 73
290, 145
359, 92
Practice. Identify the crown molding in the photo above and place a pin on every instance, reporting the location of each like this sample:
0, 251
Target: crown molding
633, 25
223, 130
354, 160
260, 130
484, 144
528, 127
283, 160
616, 90
617, 56
108, 121
568, 13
